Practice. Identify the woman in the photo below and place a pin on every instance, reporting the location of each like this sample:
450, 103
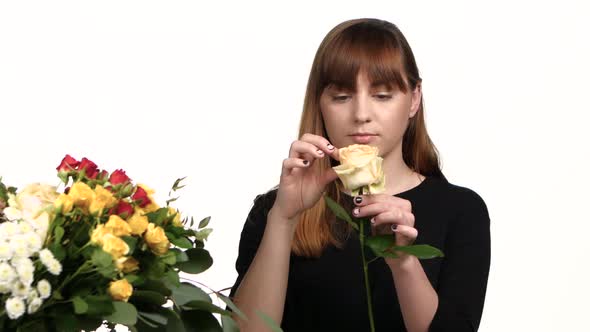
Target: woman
301, 266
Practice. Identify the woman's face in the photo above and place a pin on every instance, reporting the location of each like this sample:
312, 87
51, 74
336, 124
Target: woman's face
381, 113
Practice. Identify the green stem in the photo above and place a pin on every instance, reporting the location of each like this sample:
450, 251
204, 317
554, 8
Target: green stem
366, 272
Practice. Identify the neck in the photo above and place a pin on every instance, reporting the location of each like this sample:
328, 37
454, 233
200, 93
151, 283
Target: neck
398, 176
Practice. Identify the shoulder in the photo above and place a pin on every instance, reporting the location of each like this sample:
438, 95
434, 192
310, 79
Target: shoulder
457, 195
261, 205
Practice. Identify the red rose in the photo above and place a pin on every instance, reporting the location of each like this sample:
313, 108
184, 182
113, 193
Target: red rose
119, 177
68, 164
124, 209
141, 197
90, 168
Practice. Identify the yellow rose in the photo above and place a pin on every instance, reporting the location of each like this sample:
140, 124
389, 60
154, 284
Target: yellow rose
156, 239
176, 221
82, 195
127, 264
361, 166
102, 199
120, 290
114, 246
118, 226
138, 222
65, 203
98, 234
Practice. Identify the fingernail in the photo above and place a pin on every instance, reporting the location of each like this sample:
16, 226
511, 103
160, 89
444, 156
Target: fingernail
358, 200
305, 162
320, 151
393, 227
355, 211
373, 220
330, 146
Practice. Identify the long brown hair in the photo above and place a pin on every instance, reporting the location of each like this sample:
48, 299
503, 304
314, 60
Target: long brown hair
379, 48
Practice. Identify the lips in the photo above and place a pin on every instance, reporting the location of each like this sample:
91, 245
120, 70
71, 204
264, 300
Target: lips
363, 138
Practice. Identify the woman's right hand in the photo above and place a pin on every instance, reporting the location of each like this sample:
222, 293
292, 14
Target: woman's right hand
300, 187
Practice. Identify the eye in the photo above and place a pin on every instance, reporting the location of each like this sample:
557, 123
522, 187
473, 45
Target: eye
384, 96
340, 98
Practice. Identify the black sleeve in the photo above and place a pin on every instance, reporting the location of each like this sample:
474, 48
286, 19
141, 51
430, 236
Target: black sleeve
464, 272
251, 235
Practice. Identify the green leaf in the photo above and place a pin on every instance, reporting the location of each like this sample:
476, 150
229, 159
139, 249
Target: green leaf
156, 269
80, 306
171, 279
101, 258
187, 292
135, 279
125, 313
58, 251
169, 258
131, 242
380, 243
180, 255
200, 321
58, 232
154, 317
156, 286
177, 185
157, 217
149, 297
232, 306
203, 234
269, 321
340, 212
182, 242
205, 306
174, 323
204, 222
99, 305
229, 325
422, 251
199, 261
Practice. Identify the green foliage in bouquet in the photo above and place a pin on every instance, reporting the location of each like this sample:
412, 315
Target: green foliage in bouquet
102, 251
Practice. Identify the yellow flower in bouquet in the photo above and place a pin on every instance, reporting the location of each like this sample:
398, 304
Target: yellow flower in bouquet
138, 222
120, 290
127, 264
102, 199
118, 226
156, 239
65, 203
82, 195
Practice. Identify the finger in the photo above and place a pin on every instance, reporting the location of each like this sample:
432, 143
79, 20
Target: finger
364, 200
328, 176
292, 163
299, 148
321, 143
394, 216
406, 231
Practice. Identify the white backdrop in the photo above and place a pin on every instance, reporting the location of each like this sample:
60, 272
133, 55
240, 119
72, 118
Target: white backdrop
214, 91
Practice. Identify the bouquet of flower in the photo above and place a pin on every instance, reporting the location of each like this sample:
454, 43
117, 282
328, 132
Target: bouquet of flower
102, 250
360, 171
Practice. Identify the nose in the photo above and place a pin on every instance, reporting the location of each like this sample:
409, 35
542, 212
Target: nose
362, 109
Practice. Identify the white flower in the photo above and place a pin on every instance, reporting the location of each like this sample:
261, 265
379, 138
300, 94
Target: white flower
25, 227
5, 287
8, 229
46, 256
33, 241
33, 294
7, 273
54, 267
15, 307
20, 289
44, 288
34, 305
25, 270
19, 246
41, 225
5, 250
12, 200
12, 213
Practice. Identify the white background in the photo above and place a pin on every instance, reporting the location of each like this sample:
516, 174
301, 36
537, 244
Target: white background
214, 91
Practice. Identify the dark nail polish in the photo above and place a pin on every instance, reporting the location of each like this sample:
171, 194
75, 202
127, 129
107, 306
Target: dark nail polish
393, 227
305, 162
330, 146
358, 200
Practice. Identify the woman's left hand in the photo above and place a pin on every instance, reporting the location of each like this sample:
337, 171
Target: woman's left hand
388, 213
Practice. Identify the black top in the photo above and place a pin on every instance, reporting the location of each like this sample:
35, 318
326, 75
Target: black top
328, 293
